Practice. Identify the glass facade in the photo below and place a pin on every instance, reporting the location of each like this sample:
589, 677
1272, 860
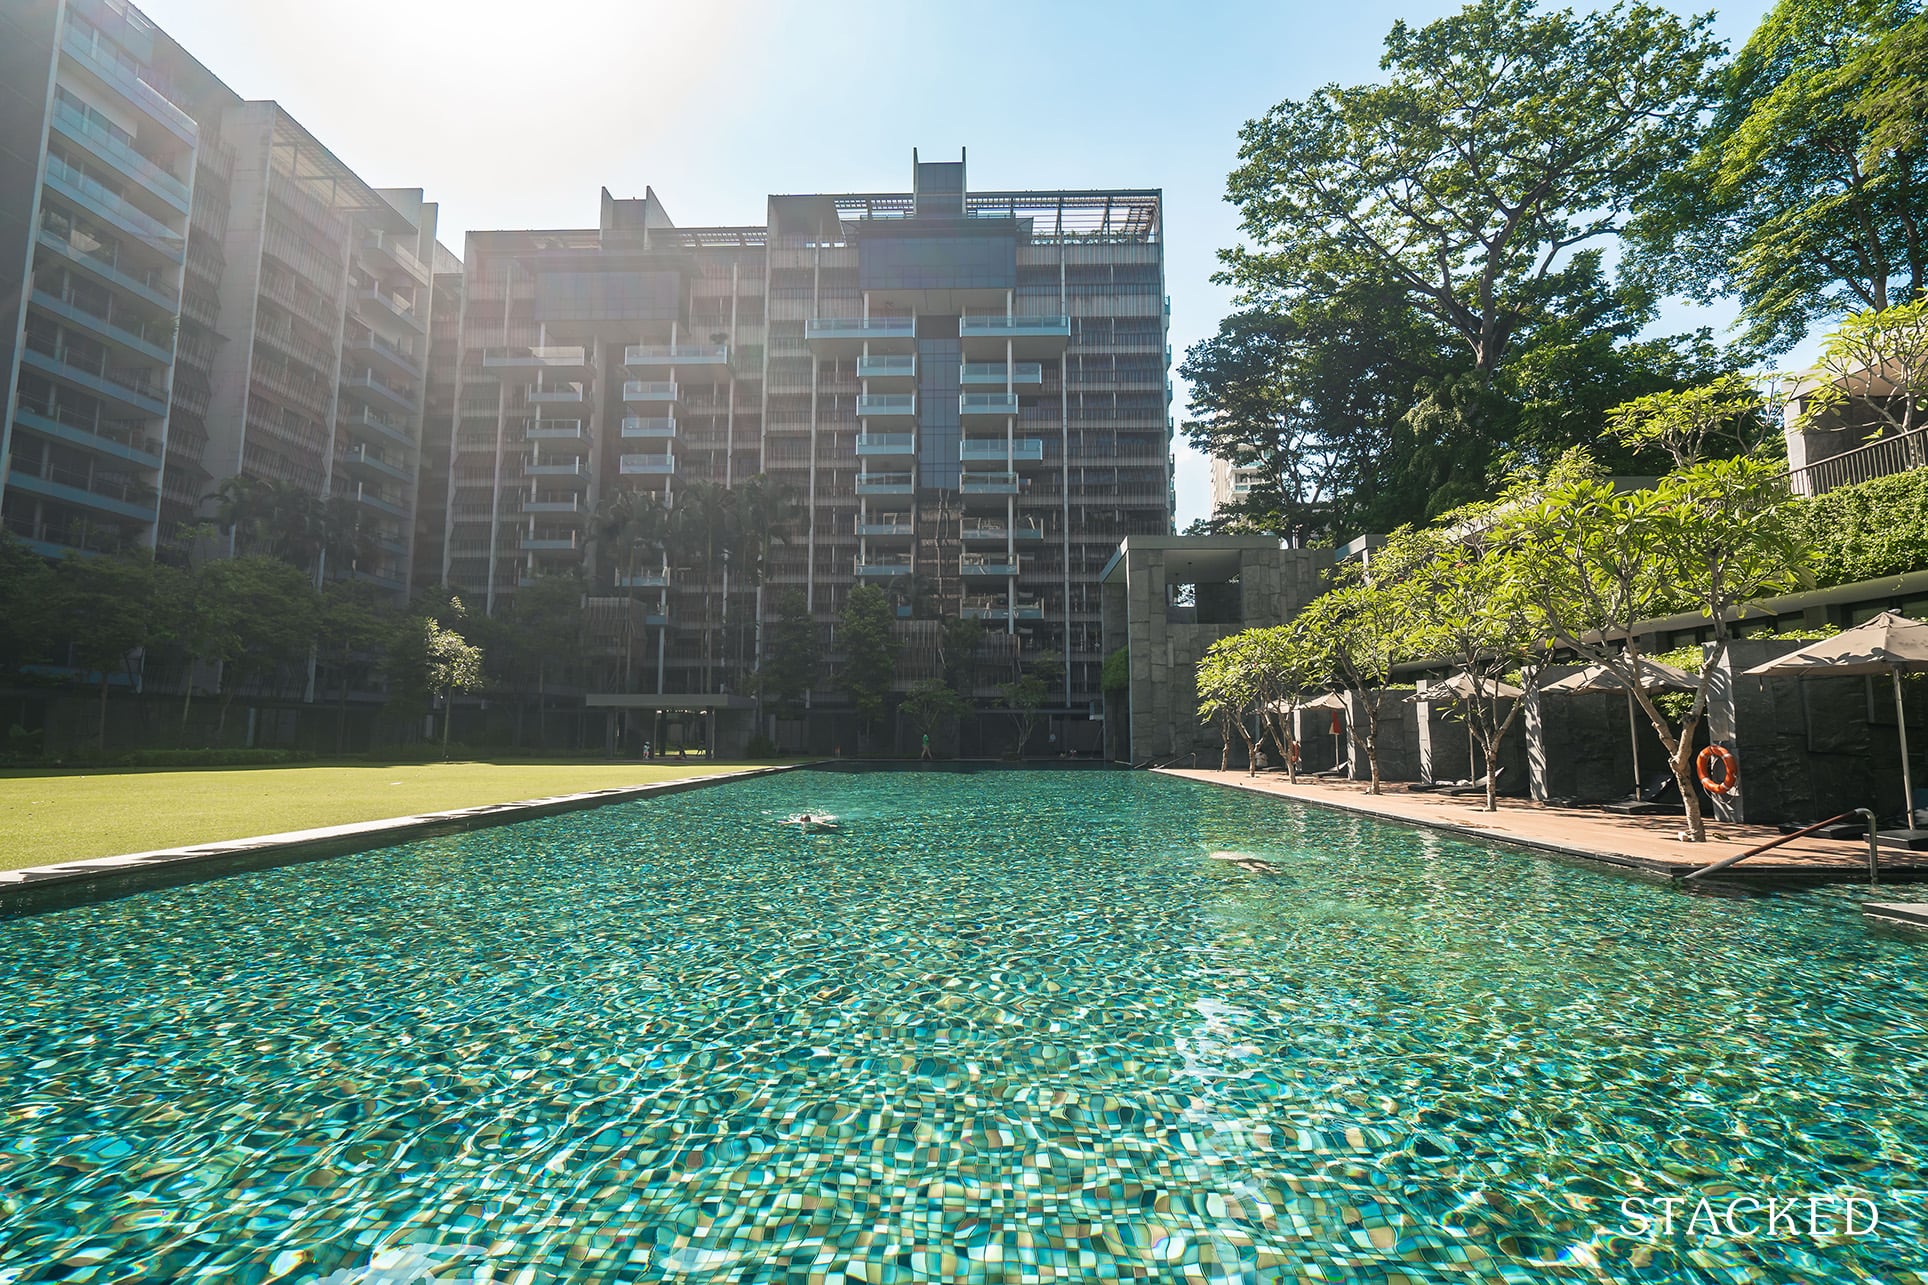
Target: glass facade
938, 432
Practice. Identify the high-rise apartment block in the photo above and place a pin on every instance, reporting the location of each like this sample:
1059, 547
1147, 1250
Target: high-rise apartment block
965, 392
196, 288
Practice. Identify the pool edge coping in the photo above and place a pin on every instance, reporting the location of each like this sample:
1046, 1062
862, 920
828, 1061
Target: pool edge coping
21, 888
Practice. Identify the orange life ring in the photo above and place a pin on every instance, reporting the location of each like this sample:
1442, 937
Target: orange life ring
1292, 754
1730, 769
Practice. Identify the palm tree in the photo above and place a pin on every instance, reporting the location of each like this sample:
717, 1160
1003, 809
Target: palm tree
766, 513
703, 518
631, 528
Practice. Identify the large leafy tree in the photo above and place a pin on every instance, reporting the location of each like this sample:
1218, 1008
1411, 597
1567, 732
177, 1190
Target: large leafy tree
26, 594
1806, 196
790, 670
544, 634
869, 646
265, 612
111, 608
1482, 178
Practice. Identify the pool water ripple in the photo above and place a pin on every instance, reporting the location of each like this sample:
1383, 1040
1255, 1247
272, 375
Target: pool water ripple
1004, 1026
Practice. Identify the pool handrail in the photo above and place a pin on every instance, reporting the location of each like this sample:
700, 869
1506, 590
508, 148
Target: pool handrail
1874, 846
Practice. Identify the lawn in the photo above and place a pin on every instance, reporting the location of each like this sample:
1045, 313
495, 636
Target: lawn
66, 814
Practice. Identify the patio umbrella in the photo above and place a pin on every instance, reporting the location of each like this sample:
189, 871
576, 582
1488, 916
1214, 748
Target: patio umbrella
1654, 677
1889, 644
1460, 687
1327, 700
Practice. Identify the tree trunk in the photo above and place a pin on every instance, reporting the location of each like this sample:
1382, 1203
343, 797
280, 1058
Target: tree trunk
187, 700
448, 716
101, 732
1372, 744
341, 714
1683, 765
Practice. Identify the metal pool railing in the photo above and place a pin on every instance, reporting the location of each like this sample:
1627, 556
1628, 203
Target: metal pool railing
1874, 846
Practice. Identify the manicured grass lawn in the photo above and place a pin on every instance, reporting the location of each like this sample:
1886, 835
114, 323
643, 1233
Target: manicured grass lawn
66, 814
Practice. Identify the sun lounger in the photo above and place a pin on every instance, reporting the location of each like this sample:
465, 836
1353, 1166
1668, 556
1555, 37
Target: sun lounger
1659, 796
1473, 787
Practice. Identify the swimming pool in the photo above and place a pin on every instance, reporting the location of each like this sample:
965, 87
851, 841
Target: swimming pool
1007, 1025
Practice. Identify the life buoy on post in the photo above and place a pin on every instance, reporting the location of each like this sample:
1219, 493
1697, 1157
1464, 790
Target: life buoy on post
1730, 769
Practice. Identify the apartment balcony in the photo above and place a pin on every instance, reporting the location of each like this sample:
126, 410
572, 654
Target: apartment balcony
552, 542
385, 353
992, 337
659, 427
70, 487
126, 83
642, 580
869, 483
647, 465
553, 430
360, 461
849, 336
130, 390
116, 271
889, 372
378, 501
987, 564
887, 445
875, 568
998, 531
887, 408
369, 423
102, 144
386, 304
372, 390
1004, 405
393, 251
134, 338
650, 392
560, 394
123, 443
692, 363
556, 505
559, 472
1026, 607
878, 525
975, 482
1019, 374
560, 359
93, 198
996, 450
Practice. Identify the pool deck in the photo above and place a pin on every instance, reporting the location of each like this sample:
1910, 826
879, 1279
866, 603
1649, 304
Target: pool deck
1643, 845
95, 878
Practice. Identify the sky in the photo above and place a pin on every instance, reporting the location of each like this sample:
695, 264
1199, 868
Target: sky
510, 120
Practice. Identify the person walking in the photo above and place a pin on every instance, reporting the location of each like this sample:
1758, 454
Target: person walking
927, 747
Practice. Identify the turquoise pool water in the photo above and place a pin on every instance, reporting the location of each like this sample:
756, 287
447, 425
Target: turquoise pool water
1008, 1026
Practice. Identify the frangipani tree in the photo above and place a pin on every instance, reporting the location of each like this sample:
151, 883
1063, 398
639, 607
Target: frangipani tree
1876, 361
1591, 562
1683, 421
1364, 626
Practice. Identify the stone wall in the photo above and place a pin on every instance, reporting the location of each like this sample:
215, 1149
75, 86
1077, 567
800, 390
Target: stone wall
1580, 747
1445, 754
1398, 737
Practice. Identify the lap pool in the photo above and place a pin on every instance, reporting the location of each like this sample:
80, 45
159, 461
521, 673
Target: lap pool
1004, 1026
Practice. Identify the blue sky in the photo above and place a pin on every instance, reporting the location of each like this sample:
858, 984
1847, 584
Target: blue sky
511, 120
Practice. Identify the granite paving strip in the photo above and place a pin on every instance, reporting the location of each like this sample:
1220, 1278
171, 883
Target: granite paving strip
99, 877
1643, 845
1910, 914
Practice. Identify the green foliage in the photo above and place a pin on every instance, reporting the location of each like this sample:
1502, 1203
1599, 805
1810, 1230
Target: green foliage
1502, 138
211, 758
1115, 680
760, 747
963, 638
1873, 372
1876, 528
929, 702
26, 594
1684, 422
869, 646
793, 657
1804, 197
1028, 693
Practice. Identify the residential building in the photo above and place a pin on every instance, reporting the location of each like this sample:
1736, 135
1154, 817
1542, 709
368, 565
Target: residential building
204, 290
1231, 483
966, 392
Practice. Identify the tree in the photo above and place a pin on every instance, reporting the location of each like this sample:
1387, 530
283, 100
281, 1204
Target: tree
544, 631
27, 591
429, 659
1465, 607
1683, 422
111, 604
1364, 623
1875, 366
1228, 692
353, 620
869, 646
963, 640
790, 671
262, 614
1026, 696
1805, 196
1592, 562
929, 702
1504, 148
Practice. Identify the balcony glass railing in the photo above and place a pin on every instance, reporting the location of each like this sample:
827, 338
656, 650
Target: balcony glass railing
120, 153
649, 426
859, 327
552, 357
646, 464
96, 374
97, 196
977, 564
127, 435
984, 483
894, 404
144, 337
669, 354
994, 372
88, 486
987, 403
884, 524
982, 327
129, 82
894, 366
881, 566
885, 483
886, 443
649, 390
153, 286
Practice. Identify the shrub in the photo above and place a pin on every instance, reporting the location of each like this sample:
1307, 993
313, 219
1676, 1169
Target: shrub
1872, 529
760, 747
212, 758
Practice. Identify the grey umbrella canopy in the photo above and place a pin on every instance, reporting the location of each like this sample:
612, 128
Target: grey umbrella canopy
1888, 644
1654, 677
1460, 687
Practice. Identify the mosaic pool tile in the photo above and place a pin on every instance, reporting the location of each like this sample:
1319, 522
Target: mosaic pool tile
1004, 1026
